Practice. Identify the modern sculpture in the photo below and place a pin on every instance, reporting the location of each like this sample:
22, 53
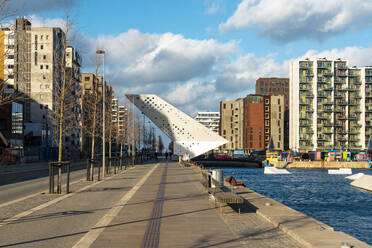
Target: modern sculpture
188, 135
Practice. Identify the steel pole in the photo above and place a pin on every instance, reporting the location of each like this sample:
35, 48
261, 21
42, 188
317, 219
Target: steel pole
104, 120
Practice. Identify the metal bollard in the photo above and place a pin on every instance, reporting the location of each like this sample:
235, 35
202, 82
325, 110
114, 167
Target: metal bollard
68, 179
88, 169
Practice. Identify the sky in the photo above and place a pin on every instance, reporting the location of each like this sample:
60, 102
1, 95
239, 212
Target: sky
196, 53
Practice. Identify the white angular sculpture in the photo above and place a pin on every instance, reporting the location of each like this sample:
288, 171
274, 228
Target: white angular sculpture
187, 134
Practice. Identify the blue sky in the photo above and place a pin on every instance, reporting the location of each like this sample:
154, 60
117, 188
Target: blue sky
195, 53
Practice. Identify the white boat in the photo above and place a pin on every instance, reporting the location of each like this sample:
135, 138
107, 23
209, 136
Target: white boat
355, 176
273, 170
341, 171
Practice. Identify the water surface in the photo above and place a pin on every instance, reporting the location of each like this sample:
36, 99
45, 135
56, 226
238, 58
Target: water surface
327, 198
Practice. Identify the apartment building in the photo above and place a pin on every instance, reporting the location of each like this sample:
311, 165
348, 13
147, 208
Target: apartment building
209, 119
264, 122
276, 87
232, 124
330, 104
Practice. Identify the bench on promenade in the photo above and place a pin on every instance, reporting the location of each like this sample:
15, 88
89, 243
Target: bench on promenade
225, 197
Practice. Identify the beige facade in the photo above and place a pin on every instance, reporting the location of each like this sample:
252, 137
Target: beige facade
232, 124
277, 109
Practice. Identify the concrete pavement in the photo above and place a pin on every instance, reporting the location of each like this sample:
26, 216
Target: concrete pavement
163, 204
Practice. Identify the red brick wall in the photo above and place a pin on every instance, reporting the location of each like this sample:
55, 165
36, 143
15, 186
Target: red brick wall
254, 118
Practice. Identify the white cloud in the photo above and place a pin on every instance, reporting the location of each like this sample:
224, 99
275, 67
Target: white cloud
356, 56
38, 21
139, 59
287, 20
213, 6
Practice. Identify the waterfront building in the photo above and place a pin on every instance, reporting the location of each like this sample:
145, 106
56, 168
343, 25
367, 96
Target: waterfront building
189, 137
209, 119
232, 124
255, 122
276, 87
329, 105
264, 122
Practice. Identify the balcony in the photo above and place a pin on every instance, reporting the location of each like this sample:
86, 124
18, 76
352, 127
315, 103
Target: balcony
353, 88
328, 124
328, 73
338, 95
354, 74
340, 138
341, 103
328, 110
339, 110
353, 131
328, 131
352, 117
305, 124
339, 124
328, 102
353, 103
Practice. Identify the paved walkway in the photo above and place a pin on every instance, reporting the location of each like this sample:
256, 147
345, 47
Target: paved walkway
152, 205
180, 215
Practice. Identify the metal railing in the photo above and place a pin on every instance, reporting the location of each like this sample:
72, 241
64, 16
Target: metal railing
59, 166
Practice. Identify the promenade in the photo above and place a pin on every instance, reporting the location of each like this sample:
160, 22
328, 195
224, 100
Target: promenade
151, 205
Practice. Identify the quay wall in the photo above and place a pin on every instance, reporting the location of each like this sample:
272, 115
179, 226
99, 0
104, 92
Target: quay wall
320, 165
307, 231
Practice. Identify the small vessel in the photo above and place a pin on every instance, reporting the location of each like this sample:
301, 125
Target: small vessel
273, 170
355, 176
341, 171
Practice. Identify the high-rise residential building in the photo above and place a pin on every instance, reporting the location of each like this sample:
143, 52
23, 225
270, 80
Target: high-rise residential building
264, 122
232, 124
329, 105
276, 87
209, 119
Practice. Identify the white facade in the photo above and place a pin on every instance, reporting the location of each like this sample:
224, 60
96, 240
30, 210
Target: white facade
329, 104
209, 119
8, 60
188, 135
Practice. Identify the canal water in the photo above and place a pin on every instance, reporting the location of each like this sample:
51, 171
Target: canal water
327, 198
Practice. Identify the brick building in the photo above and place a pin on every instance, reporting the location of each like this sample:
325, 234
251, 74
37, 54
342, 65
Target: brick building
276, 87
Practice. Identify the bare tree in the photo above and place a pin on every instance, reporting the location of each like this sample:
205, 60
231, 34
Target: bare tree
66, 90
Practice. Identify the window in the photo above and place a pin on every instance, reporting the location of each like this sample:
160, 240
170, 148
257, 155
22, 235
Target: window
44, 77
41, 97
35, 58
280, 107
250, 144
10, 66
267, 109
280, 137
280, 115
41, 37
10, 76
231, 106
267, 101
10, 46
41, 86
278, 124
267, 130
267, 123
251, 137
278, 144
267, 116
47, 86
47, 37
44, 57
86, 78
10, 56
279, 101
224, 106
41, 47
267, 138
11, 37
41, 67
224, 132
47, 67
41, 106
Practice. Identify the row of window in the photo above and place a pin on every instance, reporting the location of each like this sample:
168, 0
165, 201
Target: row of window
274, 83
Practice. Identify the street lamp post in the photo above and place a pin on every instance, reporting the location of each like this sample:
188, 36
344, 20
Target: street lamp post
99, 52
